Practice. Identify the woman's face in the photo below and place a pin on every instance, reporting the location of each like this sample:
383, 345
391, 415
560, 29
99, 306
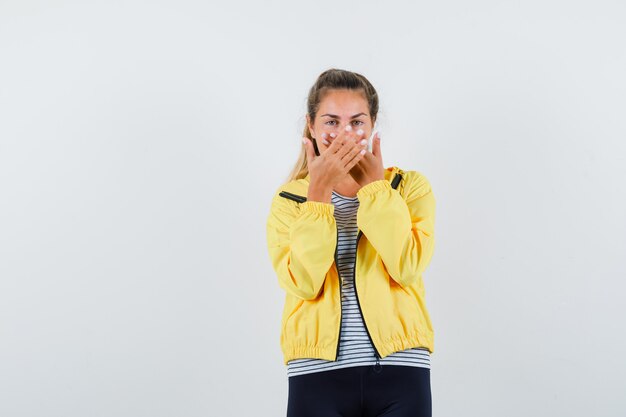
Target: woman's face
338, 109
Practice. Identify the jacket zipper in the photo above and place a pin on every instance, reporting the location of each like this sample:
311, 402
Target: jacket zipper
340, 296
359, 304
394, 184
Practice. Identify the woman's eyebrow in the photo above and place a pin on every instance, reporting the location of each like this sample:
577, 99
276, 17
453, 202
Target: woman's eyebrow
337, 117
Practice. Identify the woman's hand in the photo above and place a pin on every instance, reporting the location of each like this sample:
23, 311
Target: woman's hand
370, 168
332, 165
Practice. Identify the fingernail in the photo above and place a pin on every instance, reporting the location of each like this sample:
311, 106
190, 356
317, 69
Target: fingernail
359, 132
324, 135
362, 151
348, 128
332, 135
364, 142
325, 142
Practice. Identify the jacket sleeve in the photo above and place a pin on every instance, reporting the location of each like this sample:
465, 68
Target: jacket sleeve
401, 230
301, 239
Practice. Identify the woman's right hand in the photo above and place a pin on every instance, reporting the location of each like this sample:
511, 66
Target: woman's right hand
332, 165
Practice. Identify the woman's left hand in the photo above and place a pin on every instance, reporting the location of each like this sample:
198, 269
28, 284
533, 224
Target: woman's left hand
370, 168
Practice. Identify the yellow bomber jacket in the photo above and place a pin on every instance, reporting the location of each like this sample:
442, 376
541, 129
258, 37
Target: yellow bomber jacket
395, 243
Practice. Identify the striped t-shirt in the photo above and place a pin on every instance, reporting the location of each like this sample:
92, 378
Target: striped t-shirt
355, 347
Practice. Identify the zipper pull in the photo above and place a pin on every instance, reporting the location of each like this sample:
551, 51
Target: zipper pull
378, 367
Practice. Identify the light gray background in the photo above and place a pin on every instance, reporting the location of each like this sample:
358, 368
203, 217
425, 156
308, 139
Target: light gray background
141, 142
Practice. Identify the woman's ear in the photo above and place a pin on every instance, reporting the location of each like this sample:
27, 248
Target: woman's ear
310, 126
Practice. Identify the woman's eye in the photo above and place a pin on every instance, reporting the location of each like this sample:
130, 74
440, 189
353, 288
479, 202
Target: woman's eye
354, 122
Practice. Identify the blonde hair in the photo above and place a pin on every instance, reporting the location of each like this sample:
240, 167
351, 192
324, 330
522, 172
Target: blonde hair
331, 79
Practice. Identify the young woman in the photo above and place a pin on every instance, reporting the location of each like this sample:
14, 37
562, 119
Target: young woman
349, 240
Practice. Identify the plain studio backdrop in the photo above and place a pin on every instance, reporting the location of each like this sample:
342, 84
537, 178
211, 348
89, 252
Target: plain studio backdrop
141, 143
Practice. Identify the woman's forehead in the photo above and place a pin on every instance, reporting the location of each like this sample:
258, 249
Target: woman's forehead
343, 103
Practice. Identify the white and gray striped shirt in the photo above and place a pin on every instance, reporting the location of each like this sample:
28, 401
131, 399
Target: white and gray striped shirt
355, 348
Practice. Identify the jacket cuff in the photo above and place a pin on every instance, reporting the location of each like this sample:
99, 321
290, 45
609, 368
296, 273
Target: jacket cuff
317, 207
372, 187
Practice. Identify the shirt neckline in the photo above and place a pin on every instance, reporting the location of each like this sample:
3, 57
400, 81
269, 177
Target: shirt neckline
345, 197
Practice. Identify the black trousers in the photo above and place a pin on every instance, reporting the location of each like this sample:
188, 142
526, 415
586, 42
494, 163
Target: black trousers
361, 391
